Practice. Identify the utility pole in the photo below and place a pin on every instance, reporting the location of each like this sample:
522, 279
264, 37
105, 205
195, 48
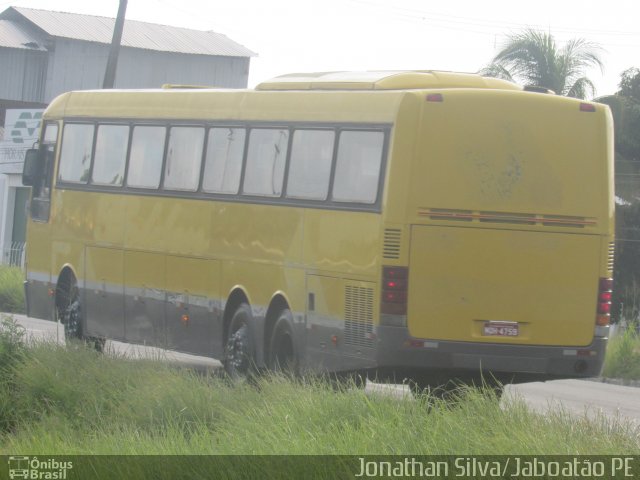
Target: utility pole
112, 62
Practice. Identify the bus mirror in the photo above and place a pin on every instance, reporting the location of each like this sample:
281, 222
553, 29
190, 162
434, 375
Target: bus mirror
32, 169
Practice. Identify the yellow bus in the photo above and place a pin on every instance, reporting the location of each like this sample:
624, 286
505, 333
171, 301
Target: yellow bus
415, 226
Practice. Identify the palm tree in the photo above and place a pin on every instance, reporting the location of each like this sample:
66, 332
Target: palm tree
533, 58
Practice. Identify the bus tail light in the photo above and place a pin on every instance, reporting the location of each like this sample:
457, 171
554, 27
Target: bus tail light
393, 301
603, 313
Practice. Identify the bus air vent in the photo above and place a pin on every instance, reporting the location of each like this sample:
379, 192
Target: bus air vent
563, 221
611, 257
392, 243
358, 315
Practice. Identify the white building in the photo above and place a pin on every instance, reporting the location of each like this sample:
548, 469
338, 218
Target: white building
20, 133
45, 53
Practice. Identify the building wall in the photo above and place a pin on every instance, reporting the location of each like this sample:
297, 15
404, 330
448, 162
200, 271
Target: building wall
23, 75
78, 65
12, 207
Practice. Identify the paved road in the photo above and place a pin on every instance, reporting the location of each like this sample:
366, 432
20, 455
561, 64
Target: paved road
43, 330
580, 397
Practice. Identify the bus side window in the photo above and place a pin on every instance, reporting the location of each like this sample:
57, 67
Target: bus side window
358, 167
110, 156
145, 158
184, 154
265, 162
310, 164
75, 157
223, 161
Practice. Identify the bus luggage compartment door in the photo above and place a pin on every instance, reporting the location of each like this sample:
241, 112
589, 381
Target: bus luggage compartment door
502, 286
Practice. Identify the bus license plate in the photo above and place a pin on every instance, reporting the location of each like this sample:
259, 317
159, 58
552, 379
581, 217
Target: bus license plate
495, 329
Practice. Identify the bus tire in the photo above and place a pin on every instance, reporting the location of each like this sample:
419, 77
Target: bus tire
282, 351
71, 314
69, 308
239, 350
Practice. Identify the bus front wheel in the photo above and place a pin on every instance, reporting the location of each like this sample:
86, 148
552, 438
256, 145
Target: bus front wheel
69, 308
239, 359
70, 313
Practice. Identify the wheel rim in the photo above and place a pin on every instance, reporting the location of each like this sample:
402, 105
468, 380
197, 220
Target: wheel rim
71, 314
237, 359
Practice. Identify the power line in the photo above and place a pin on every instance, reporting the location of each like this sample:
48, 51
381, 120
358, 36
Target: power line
474, 21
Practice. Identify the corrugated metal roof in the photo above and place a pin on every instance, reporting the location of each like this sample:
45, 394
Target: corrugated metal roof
14, 35
147, 36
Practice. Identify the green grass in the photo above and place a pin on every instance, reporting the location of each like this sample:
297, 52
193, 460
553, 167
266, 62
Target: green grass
76, 401
623, 356
68, 401
11, 289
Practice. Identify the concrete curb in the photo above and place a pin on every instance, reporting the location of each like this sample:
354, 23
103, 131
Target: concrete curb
625, 382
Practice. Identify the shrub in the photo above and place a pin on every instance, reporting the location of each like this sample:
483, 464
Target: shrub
623, 355
11, 289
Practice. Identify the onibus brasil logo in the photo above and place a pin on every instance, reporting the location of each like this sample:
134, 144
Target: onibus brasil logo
38, 469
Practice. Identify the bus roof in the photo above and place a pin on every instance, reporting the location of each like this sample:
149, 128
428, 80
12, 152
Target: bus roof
383, 80
366, 97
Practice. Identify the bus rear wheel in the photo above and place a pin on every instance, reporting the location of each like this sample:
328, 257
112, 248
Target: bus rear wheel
239, 358
282, 346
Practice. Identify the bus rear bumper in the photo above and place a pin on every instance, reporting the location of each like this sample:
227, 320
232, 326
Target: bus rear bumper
398, 353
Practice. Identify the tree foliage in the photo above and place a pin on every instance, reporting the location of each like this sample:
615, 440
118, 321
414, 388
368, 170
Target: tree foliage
626, 289
534, 58
625, 108
630, 84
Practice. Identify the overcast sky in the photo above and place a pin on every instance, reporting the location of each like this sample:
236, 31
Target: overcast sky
326, 35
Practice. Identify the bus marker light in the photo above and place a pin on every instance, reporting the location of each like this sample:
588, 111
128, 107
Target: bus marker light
395, 286
334, 340
395, 272
51, 292
603, 311
587, 107
435, 97
606, 284
184, 319
605, 296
